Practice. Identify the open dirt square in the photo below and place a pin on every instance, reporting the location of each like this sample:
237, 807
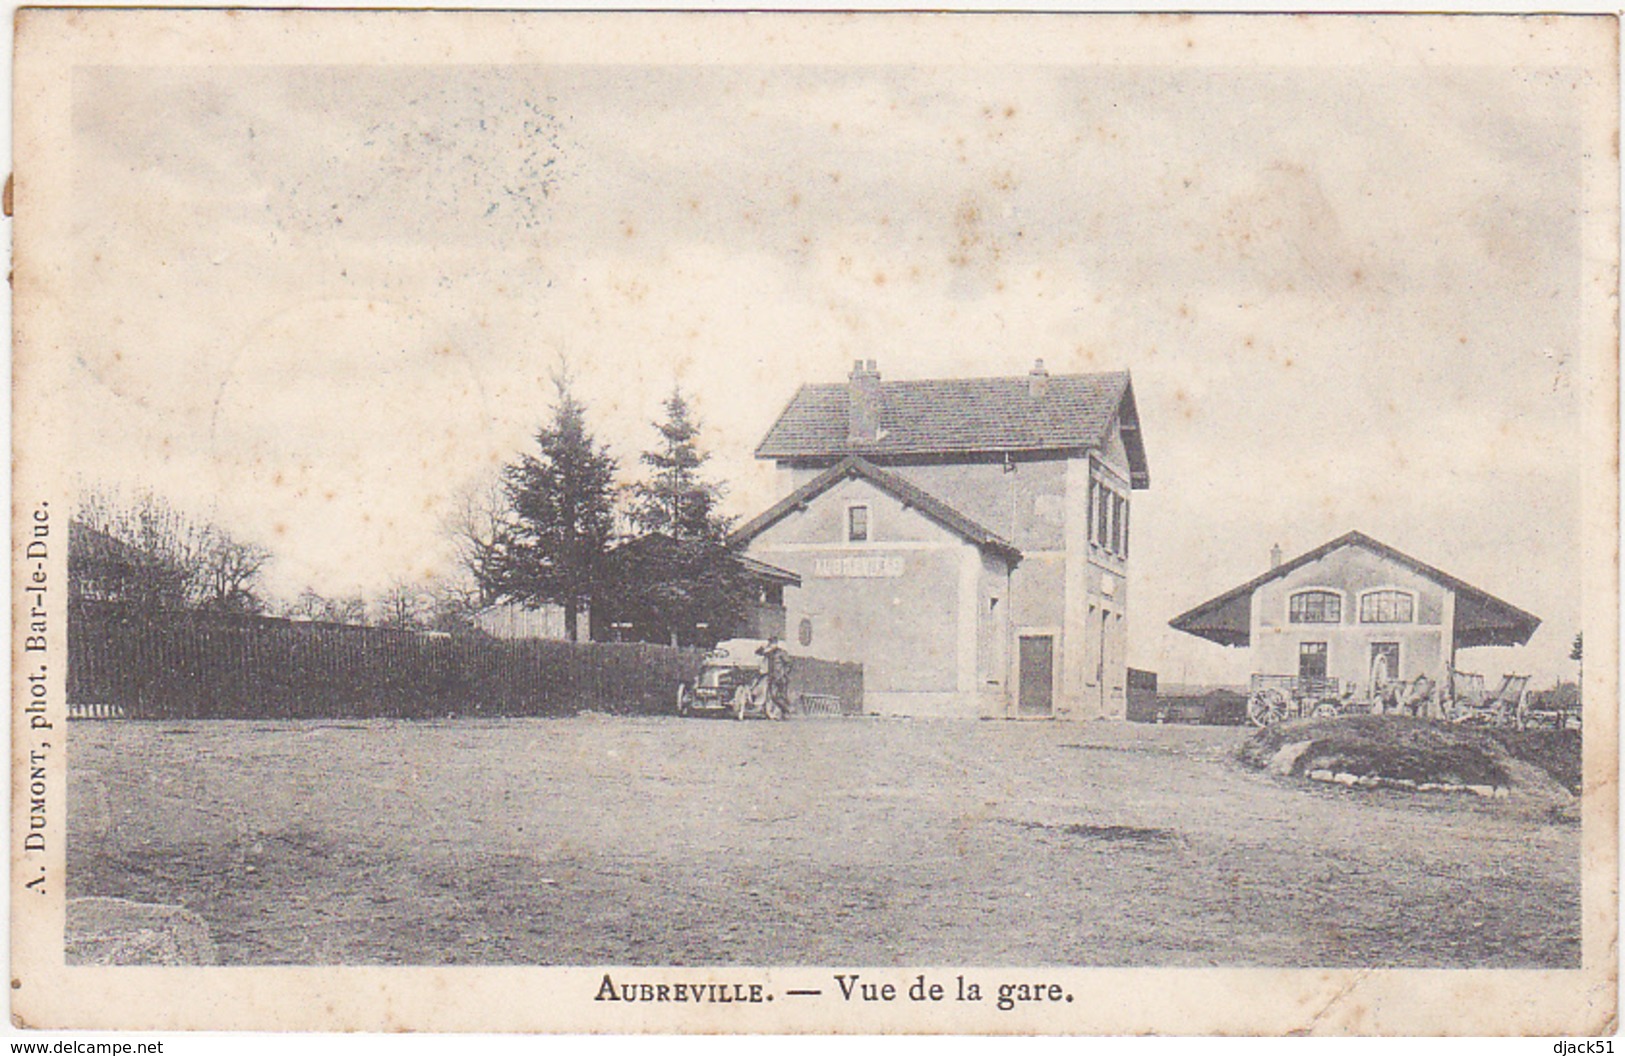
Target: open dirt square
597, 840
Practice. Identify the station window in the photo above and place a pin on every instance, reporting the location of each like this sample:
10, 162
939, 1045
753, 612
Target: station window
857, 524
804, 633
1387, 606
1316, 606
1108, 517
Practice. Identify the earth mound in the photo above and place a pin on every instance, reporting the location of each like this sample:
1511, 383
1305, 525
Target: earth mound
1420, 755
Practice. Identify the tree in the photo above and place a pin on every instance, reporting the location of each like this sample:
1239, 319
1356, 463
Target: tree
551, 548
454, 601
677, 591
1577, 654
228, 570
403, 606
679, 580
148, 554
479, 528
676, 500
311, 605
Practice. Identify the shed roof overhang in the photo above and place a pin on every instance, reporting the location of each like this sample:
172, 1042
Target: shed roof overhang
1482, 619
1226, 619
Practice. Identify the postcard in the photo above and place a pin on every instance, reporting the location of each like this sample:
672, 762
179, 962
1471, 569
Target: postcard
815, 523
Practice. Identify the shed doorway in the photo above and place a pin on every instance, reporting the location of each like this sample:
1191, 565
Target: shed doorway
1384, 663
1036, 693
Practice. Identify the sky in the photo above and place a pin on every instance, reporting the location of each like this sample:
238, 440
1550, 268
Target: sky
322, 303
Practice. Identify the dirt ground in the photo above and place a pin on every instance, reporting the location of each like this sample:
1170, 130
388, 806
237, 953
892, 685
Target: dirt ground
600, 840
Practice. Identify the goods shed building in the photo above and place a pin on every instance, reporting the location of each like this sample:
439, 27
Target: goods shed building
1357, 611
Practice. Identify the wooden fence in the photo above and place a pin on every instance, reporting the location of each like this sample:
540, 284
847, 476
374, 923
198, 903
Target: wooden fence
824, 688
124, 663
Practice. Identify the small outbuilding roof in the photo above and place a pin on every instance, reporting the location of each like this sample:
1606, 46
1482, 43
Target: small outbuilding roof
965, 415
908, 494
760, 570
769, 573
1481, 618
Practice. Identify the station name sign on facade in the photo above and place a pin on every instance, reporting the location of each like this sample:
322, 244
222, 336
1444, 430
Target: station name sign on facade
858, 568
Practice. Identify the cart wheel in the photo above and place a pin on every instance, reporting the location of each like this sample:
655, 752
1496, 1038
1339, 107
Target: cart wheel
685, 700
1325, 710
1267, 707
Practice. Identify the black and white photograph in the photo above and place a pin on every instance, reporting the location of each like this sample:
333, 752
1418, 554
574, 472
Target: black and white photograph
815, 523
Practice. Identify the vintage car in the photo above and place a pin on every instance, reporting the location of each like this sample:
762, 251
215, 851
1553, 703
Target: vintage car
733, 678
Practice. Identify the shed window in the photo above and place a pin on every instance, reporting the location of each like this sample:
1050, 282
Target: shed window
1316, 606
857, 524
1387, 606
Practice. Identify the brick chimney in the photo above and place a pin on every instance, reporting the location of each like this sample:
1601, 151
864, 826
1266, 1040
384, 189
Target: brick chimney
1037, 379
863, 425
1275, 557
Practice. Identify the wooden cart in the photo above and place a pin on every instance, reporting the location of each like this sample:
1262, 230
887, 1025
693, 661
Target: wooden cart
1275, 699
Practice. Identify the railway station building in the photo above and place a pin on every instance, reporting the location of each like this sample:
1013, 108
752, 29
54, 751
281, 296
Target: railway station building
966, 539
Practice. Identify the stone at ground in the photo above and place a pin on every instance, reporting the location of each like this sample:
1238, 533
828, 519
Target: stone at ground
1534, 788
115, 931
1287, 758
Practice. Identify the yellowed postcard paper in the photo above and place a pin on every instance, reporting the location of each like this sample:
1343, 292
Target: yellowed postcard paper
815, 523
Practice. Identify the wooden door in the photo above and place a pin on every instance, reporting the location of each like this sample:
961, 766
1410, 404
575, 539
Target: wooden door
1312, 661
1100, 668
1037, 690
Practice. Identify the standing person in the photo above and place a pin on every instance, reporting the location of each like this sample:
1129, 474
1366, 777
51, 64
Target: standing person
1381, 692
777, 704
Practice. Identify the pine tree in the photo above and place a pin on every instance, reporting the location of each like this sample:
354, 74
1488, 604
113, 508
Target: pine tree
551, 549
678, 581
676, 501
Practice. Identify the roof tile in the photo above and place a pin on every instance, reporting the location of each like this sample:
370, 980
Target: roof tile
952, 415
